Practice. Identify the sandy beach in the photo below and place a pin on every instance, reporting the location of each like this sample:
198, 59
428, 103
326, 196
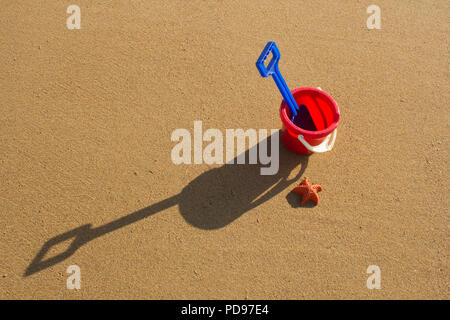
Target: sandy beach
87, 179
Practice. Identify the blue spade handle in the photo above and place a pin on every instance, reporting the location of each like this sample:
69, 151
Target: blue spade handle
273, 70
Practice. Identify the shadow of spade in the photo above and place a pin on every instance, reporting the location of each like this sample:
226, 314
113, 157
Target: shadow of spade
211, 201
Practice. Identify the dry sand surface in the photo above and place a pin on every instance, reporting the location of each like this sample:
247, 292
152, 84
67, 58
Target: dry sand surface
86, 176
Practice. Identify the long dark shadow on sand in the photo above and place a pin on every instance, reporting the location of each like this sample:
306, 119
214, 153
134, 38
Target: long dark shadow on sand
212, 200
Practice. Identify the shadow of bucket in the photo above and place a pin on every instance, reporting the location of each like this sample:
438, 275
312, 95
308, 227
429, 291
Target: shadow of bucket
315, 126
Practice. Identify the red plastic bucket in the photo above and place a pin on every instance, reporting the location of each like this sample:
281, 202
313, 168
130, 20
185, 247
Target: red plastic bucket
324, 113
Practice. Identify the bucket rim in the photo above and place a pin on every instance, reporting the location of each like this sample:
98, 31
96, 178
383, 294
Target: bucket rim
307, 133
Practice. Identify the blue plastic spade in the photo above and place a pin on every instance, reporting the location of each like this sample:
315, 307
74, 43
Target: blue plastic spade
273, 70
